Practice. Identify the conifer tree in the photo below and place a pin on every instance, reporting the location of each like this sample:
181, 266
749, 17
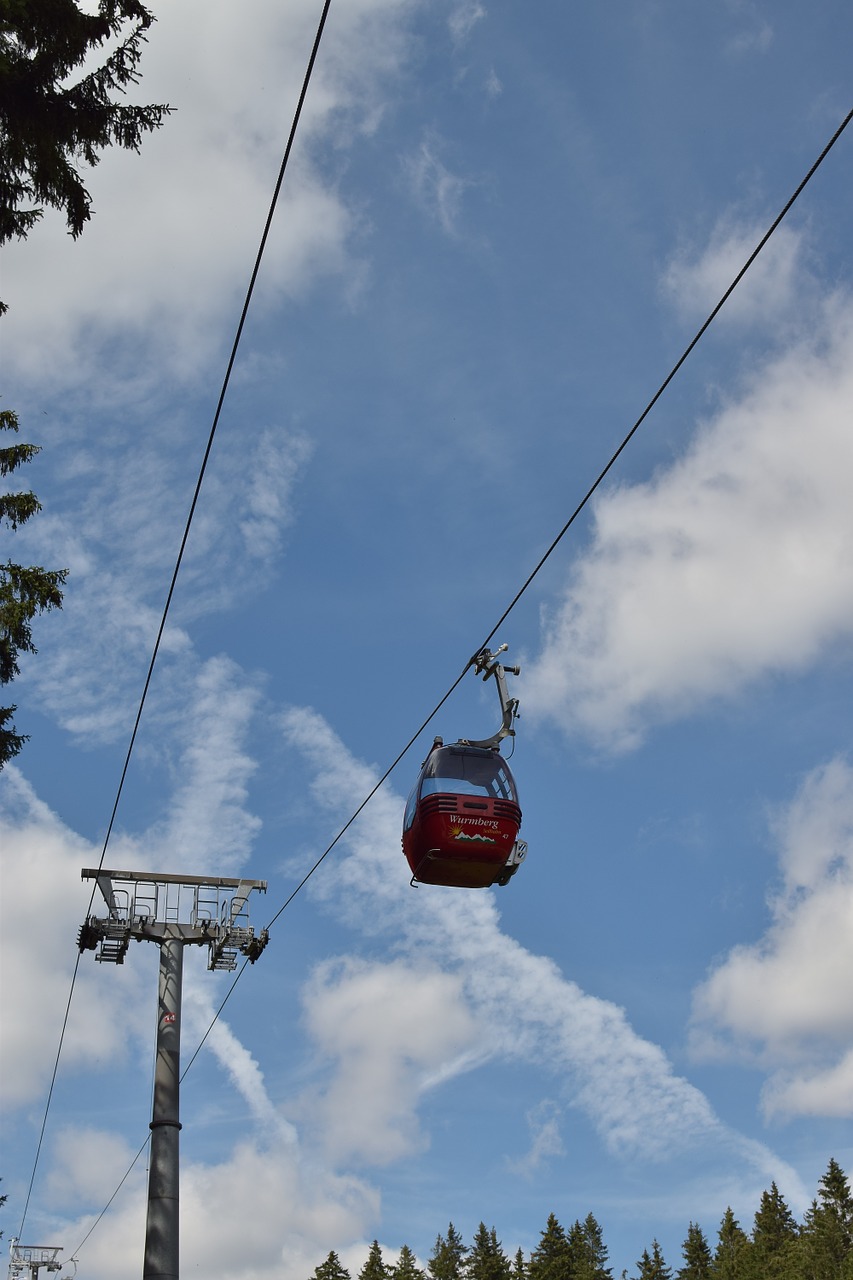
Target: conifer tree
58, 106
551, 1259
588, 1251
652, 1266
374, 1267
331, 1269
731, 1257
486, 1259
407, 1267
774, 1235
447, 1261
697, 1255
827, 1238
519, 1266
24, 591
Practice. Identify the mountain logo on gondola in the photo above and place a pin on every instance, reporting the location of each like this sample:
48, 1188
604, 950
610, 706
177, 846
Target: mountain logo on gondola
459, 834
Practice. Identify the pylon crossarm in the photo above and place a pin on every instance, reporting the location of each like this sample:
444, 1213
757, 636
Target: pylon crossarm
154, 907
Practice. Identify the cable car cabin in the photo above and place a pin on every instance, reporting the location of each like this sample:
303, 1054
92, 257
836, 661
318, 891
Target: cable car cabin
462, 819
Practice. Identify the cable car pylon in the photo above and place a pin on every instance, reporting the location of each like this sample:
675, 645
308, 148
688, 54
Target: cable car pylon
173, 911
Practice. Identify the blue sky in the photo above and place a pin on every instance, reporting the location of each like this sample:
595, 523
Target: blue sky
501, 226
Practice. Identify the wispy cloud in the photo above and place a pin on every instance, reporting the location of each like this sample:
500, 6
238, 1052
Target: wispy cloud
436, 188
277, 462
753, 33
546, 1142
209, 828
463, 18
240, 1066
494, 87
117, 525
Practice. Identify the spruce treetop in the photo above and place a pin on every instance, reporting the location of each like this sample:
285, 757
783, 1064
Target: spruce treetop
697, 1255
49, 126
407, 1267
448, 1256
374, 1267
331, 1269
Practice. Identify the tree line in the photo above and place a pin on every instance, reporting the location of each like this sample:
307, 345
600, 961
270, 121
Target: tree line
777, 1248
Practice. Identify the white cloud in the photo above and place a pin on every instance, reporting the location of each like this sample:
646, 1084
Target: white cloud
87, 1165
774, 283
388, 1026
208, 828
43, 898
525, 1008
817, 1093
288, 1212
789, 994
731, 564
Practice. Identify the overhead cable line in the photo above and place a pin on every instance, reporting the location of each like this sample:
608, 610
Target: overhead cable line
527, 582
184, 540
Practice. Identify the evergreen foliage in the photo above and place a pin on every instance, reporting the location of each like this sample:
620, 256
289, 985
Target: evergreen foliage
827, 1238
331, 1269
486, 1259
652, 1266
588, 1251
774, 1237
551, 1259
697, 1256
52, 120
24, 592
447, 1261
374, 1268
731, 1258
407, 1267
778, 1248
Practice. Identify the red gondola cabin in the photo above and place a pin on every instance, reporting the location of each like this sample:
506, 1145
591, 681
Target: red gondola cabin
462, 819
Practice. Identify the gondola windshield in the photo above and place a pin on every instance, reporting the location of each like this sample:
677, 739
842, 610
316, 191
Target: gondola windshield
468, 770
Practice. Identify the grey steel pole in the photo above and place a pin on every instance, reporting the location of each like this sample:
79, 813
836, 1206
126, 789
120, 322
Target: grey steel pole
161, 1232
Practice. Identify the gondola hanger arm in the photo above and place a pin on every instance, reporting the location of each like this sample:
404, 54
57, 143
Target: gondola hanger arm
486, 663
